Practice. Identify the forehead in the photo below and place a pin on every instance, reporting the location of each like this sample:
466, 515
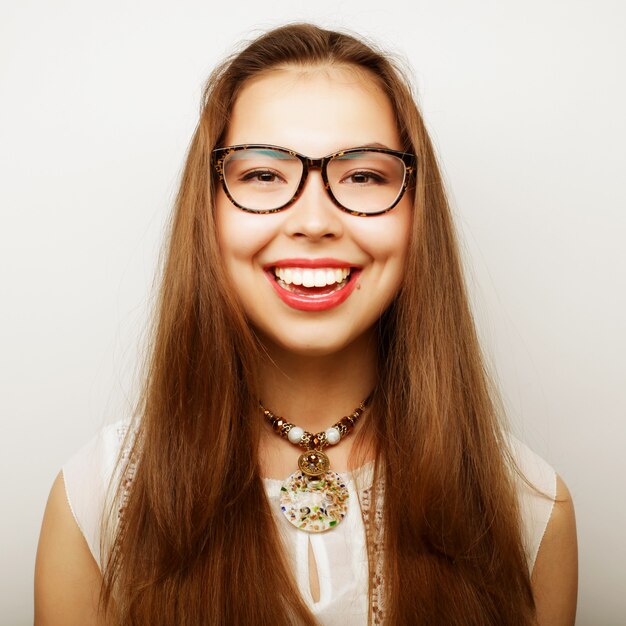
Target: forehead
315, 111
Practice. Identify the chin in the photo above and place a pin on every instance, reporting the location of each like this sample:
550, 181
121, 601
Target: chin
307, 346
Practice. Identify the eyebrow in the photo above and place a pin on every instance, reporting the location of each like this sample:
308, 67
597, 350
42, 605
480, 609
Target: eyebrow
376, 144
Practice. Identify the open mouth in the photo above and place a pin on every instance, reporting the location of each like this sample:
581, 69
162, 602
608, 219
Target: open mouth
313, 289
312, 281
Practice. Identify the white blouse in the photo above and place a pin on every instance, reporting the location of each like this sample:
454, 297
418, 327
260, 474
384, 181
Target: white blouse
340, 554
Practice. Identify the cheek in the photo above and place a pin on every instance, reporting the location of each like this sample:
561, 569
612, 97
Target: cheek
240, 235
388, 245
387, 241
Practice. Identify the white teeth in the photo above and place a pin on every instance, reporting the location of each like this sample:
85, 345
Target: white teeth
306, 277
320, 278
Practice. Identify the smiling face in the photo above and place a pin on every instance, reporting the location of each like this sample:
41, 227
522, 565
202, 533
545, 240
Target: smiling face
349, 267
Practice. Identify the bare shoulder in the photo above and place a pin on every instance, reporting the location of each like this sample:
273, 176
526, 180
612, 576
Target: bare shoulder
555, 575
67, 578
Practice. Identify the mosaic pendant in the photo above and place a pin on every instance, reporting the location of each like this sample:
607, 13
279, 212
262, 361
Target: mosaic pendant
314, 503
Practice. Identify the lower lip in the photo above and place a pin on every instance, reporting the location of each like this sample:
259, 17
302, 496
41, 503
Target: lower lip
302, 302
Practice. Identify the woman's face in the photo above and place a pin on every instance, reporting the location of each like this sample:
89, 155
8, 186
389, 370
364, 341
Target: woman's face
316, 112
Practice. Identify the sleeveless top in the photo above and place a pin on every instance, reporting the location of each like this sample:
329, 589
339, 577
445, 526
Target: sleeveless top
340, 554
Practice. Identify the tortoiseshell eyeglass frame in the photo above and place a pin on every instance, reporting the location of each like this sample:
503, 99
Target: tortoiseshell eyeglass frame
409, 160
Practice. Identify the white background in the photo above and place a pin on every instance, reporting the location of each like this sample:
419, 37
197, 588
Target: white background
526, 104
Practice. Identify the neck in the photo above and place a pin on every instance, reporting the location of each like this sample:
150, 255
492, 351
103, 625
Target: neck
316, 391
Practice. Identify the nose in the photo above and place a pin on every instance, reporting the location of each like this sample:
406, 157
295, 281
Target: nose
314, 215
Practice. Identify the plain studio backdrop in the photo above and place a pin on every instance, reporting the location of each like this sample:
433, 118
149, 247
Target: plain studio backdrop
525, 102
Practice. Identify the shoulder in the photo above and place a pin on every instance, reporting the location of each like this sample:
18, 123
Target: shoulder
555, 575
536, 486
67, 571
549, 533
90, 478
67, 578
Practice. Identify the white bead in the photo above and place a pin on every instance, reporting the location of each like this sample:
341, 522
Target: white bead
332, 436
295, 434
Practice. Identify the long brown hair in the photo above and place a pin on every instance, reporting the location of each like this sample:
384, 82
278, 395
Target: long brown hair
195, 542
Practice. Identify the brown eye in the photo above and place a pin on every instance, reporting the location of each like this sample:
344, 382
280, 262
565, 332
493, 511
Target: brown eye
262, 176
364, 178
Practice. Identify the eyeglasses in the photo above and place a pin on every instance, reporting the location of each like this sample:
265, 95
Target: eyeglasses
266, 179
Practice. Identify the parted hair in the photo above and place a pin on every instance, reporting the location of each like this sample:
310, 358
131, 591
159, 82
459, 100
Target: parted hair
193, 540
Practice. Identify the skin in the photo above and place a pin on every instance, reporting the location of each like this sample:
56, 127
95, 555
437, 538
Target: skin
318, 364
554, 578
347, 113
321, 363
67, 578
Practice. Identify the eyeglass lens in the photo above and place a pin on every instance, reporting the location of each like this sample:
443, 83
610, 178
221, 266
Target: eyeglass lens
262, 179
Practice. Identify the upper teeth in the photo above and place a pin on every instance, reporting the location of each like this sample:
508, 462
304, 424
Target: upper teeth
319, 277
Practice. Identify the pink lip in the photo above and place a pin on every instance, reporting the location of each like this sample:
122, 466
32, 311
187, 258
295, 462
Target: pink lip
313, 303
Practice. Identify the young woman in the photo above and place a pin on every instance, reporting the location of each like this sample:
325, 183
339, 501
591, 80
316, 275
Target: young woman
317, 441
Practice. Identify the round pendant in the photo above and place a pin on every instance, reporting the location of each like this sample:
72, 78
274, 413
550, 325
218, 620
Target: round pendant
314, 504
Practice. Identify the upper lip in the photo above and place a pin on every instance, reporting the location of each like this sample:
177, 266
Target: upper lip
312, 263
